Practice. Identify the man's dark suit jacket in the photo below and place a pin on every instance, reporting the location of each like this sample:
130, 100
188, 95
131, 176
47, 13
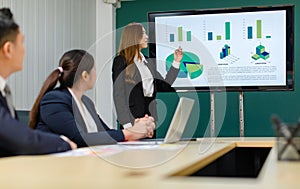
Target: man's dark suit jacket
18, 139
129, 98
59, 114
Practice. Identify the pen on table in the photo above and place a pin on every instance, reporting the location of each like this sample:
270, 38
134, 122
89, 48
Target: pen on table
189, 139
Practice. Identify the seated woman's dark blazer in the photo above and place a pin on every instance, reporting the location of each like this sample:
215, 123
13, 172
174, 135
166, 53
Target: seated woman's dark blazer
59, 114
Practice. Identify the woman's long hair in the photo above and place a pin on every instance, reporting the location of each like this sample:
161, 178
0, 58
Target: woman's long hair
129, 46
71, 66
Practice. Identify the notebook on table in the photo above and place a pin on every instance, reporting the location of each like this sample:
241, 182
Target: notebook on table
177, 125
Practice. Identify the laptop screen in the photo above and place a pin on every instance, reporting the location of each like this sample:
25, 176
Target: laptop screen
179, 120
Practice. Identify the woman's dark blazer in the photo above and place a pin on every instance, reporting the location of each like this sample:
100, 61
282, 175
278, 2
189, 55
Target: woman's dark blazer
129, 97
59, 114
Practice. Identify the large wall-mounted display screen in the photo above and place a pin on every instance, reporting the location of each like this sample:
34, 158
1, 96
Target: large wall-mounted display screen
249, 48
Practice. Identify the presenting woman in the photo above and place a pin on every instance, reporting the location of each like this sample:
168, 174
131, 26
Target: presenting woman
65, 110
135, 78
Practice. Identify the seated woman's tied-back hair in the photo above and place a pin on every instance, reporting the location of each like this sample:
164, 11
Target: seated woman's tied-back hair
61, 70
71, 66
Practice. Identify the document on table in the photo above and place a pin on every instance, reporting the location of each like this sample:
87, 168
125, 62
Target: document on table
108, 150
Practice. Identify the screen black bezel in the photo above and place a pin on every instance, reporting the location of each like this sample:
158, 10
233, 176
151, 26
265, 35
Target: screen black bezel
289, 86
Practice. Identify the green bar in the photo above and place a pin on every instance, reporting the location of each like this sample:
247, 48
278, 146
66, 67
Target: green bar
268, 37
258, 29
227, 30
189, 36
179, 33
219, 37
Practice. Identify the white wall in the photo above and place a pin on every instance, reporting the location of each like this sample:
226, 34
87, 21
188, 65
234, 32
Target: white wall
51, 27
105, 50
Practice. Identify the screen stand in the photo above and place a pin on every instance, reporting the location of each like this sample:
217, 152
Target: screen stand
212, 114
241, 113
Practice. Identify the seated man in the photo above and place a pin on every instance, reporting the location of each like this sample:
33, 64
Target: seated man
16, 138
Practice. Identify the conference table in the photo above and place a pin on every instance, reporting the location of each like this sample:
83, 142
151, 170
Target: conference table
146, 166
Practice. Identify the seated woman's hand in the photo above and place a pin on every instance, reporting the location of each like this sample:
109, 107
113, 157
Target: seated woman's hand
142, 128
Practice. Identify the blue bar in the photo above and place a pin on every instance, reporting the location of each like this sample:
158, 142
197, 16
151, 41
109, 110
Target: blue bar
250, 32
172, 37
210, 36
224, 52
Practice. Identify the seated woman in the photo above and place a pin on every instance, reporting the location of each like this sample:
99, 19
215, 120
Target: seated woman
65, 110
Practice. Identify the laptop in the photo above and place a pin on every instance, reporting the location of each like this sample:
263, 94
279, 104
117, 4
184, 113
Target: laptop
177, 125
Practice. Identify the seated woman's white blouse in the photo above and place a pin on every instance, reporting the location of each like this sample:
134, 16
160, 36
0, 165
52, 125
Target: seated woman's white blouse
87, 118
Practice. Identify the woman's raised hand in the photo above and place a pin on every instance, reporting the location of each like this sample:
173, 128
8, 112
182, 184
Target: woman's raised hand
178, 54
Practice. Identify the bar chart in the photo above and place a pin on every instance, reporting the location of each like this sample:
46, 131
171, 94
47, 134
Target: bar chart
218, 37
256, 30
180, 35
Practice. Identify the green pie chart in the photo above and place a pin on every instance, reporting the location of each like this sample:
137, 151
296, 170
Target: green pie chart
189, 65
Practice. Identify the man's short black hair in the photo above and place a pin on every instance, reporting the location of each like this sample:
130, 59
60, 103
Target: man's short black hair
8, 28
